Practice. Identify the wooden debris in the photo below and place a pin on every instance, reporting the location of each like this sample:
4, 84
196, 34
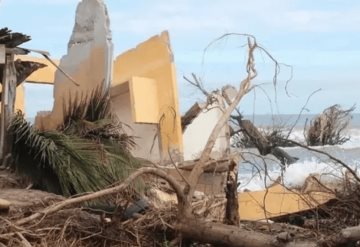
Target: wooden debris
262, 144
4, 204
190, 115
23, 70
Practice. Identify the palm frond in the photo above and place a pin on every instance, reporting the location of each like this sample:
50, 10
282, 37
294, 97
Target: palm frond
90, 117
67, 163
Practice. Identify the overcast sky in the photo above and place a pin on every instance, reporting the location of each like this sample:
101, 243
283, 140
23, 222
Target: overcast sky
320, 39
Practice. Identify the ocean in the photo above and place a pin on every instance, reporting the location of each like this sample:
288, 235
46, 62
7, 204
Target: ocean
256, 173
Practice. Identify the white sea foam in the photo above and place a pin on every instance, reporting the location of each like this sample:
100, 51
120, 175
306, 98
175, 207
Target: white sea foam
308, 163
354, 141
293, 177
296, 174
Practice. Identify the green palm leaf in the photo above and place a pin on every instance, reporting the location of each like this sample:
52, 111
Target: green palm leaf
89, 152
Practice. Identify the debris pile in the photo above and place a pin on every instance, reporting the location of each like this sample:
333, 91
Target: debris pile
113, 164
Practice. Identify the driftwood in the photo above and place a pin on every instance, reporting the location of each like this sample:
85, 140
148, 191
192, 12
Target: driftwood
212, 166
28, 200
197, 229
350, 234
92, 196
232, 236
190, 227
262, 144
190, 115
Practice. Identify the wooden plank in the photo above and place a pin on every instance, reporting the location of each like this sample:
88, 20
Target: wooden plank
190, 115
7, 104
278, 201
217, 166
2, 118
2, 54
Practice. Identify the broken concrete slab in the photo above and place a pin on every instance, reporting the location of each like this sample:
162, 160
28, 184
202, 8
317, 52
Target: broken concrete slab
277, 201
88, 60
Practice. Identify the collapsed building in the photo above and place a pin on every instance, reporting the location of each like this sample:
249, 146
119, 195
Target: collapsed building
144, 96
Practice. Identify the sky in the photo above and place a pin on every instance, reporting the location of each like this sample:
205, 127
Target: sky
319, 39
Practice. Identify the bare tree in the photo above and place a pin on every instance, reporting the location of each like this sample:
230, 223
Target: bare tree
328, 127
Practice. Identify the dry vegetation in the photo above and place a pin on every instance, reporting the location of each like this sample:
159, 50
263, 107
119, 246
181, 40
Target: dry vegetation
328, 128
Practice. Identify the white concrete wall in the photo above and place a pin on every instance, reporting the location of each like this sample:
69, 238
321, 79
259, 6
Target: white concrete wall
197, 133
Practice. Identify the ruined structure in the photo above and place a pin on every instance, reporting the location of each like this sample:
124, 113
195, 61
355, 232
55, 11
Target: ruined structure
88, 61
144, 95
142, 85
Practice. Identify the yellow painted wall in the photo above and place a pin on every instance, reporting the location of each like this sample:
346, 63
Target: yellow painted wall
144, 100
20, 98
153, 59
277, 201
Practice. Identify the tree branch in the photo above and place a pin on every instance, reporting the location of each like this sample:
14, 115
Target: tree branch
147, 170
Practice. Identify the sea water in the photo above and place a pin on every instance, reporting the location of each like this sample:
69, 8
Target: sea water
257, 172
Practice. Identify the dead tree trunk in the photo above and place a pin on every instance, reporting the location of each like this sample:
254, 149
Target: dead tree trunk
232, 236
7, 103
232, 204
222, 235
262, 144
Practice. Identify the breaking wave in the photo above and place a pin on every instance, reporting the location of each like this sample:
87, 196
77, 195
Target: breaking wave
256, 173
